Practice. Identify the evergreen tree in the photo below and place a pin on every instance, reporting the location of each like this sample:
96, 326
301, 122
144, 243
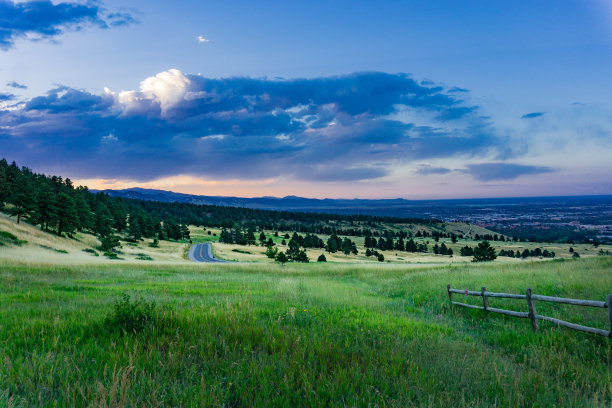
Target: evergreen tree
83, 213
134, 229
21, 198
399, 245
249, 237
103, 220
281, 257
271, 252
322, 258
5, 190
294, 249
45, 210
484, 252
67, 218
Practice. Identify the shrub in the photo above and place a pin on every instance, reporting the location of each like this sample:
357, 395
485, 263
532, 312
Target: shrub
322, 258
111, 255
131, 316
144, 257
155, 243
10, 238
108, 242
91, 251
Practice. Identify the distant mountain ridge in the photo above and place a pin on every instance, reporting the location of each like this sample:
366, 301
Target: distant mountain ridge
289, 203
471, 210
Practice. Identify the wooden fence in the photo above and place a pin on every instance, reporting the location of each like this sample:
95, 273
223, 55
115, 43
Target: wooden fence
531, 314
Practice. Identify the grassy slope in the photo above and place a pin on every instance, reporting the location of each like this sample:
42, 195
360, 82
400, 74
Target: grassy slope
42, 248
299, 335
257, 254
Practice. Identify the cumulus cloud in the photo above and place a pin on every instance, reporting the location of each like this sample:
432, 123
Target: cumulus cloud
166, 90
202, 39
349, 127
16, 85
44, 19
532, 115
503, 171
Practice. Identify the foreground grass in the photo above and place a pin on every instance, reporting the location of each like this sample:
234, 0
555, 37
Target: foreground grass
299, 335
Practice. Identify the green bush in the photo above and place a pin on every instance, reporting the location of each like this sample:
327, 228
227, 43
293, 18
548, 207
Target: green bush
131, 316
111, 255
91, 251
144, 257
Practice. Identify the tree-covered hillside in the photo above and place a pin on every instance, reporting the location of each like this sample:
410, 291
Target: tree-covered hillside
56, 205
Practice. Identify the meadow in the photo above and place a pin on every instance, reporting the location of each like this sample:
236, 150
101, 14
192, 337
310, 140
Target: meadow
296, 335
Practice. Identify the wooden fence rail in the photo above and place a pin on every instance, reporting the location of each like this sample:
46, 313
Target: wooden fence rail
532, 314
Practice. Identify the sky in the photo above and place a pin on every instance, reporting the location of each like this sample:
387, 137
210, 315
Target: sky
340, 99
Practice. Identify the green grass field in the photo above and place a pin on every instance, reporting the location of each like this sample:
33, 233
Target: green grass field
298, 335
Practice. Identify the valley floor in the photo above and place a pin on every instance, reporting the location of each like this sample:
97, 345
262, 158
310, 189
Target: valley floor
296, 335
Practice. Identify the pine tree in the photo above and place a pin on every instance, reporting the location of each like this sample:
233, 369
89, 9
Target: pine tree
103, 220
83, 212
4, 184
45, 210
134, 229
67, 218
21, 198
484, 252
281, 257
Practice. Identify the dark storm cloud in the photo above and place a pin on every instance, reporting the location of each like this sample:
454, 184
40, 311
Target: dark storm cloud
503, 171
44, 19
333, 128
532, 115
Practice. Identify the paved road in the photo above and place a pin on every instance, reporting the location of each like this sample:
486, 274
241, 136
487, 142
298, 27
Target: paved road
203, 253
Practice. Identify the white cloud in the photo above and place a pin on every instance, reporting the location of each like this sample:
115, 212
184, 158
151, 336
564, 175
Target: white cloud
167, 89
110, 138
202, 39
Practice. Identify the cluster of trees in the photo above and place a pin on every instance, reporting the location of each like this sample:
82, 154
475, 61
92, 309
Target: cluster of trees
238, 235
308, 241
345, 245
301, 222
387, 244
372, 252
442, 250
483, 252
528, 253
494, 237
57, 206
294, 253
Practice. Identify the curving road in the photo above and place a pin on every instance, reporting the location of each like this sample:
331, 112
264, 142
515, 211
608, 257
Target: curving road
203, 253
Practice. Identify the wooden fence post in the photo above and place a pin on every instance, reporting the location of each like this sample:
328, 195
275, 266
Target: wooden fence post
532, 310
485, 300
450, 295
609, 304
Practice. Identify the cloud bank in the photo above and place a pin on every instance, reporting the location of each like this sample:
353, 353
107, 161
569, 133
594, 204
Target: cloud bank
338, 128
43, 19
503, 171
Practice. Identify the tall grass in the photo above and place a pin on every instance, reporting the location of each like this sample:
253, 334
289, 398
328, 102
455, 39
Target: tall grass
297, 335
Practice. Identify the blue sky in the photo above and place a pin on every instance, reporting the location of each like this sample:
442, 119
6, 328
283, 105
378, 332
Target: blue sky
433, 99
